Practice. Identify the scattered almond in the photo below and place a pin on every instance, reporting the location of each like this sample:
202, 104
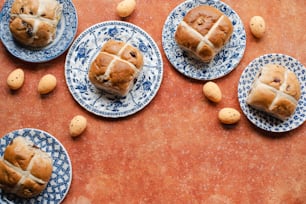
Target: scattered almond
229, 116
257, 26
46, 84
77, 125
212, 92
126, 8
15, 79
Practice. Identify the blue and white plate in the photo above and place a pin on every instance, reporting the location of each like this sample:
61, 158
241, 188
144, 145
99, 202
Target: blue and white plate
86, 47
223, 63
60, 181
66, 30
259, 118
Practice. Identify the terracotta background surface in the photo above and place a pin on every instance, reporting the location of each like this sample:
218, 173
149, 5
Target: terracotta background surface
175, 150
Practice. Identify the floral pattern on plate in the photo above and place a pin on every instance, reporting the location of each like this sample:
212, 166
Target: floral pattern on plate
60, 181
66, 30
223, 63
85, 49
259, 118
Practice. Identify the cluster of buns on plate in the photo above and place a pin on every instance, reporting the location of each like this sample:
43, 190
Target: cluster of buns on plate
205, 30
34, 23
203, 33
25, 169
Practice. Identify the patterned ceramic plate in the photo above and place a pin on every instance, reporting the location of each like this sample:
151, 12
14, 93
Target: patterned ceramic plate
60, 181
223, 63
65, 33
259, 118
86, 47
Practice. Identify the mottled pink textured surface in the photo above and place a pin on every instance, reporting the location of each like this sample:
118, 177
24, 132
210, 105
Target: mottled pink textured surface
175, 150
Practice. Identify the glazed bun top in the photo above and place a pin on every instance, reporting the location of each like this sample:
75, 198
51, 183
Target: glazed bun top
116, 67
203, 32
25, 170
34, 22
275, 90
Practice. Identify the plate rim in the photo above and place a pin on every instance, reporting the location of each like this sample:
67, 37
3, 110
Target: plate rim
7, 4
47, 134
274, 129
107, 114
199, 2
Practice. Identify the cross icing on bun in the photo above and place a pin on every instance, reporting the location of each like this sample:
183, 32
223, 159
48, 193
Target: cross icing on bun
25, 170
34, 22
116, 67
203, 32
276, 91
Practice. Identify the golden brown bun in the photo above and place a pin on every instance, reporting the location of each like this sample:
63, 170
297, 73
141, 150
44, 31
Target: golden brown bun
203, 32
25, 170
275, 90
33, 22
116, 67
